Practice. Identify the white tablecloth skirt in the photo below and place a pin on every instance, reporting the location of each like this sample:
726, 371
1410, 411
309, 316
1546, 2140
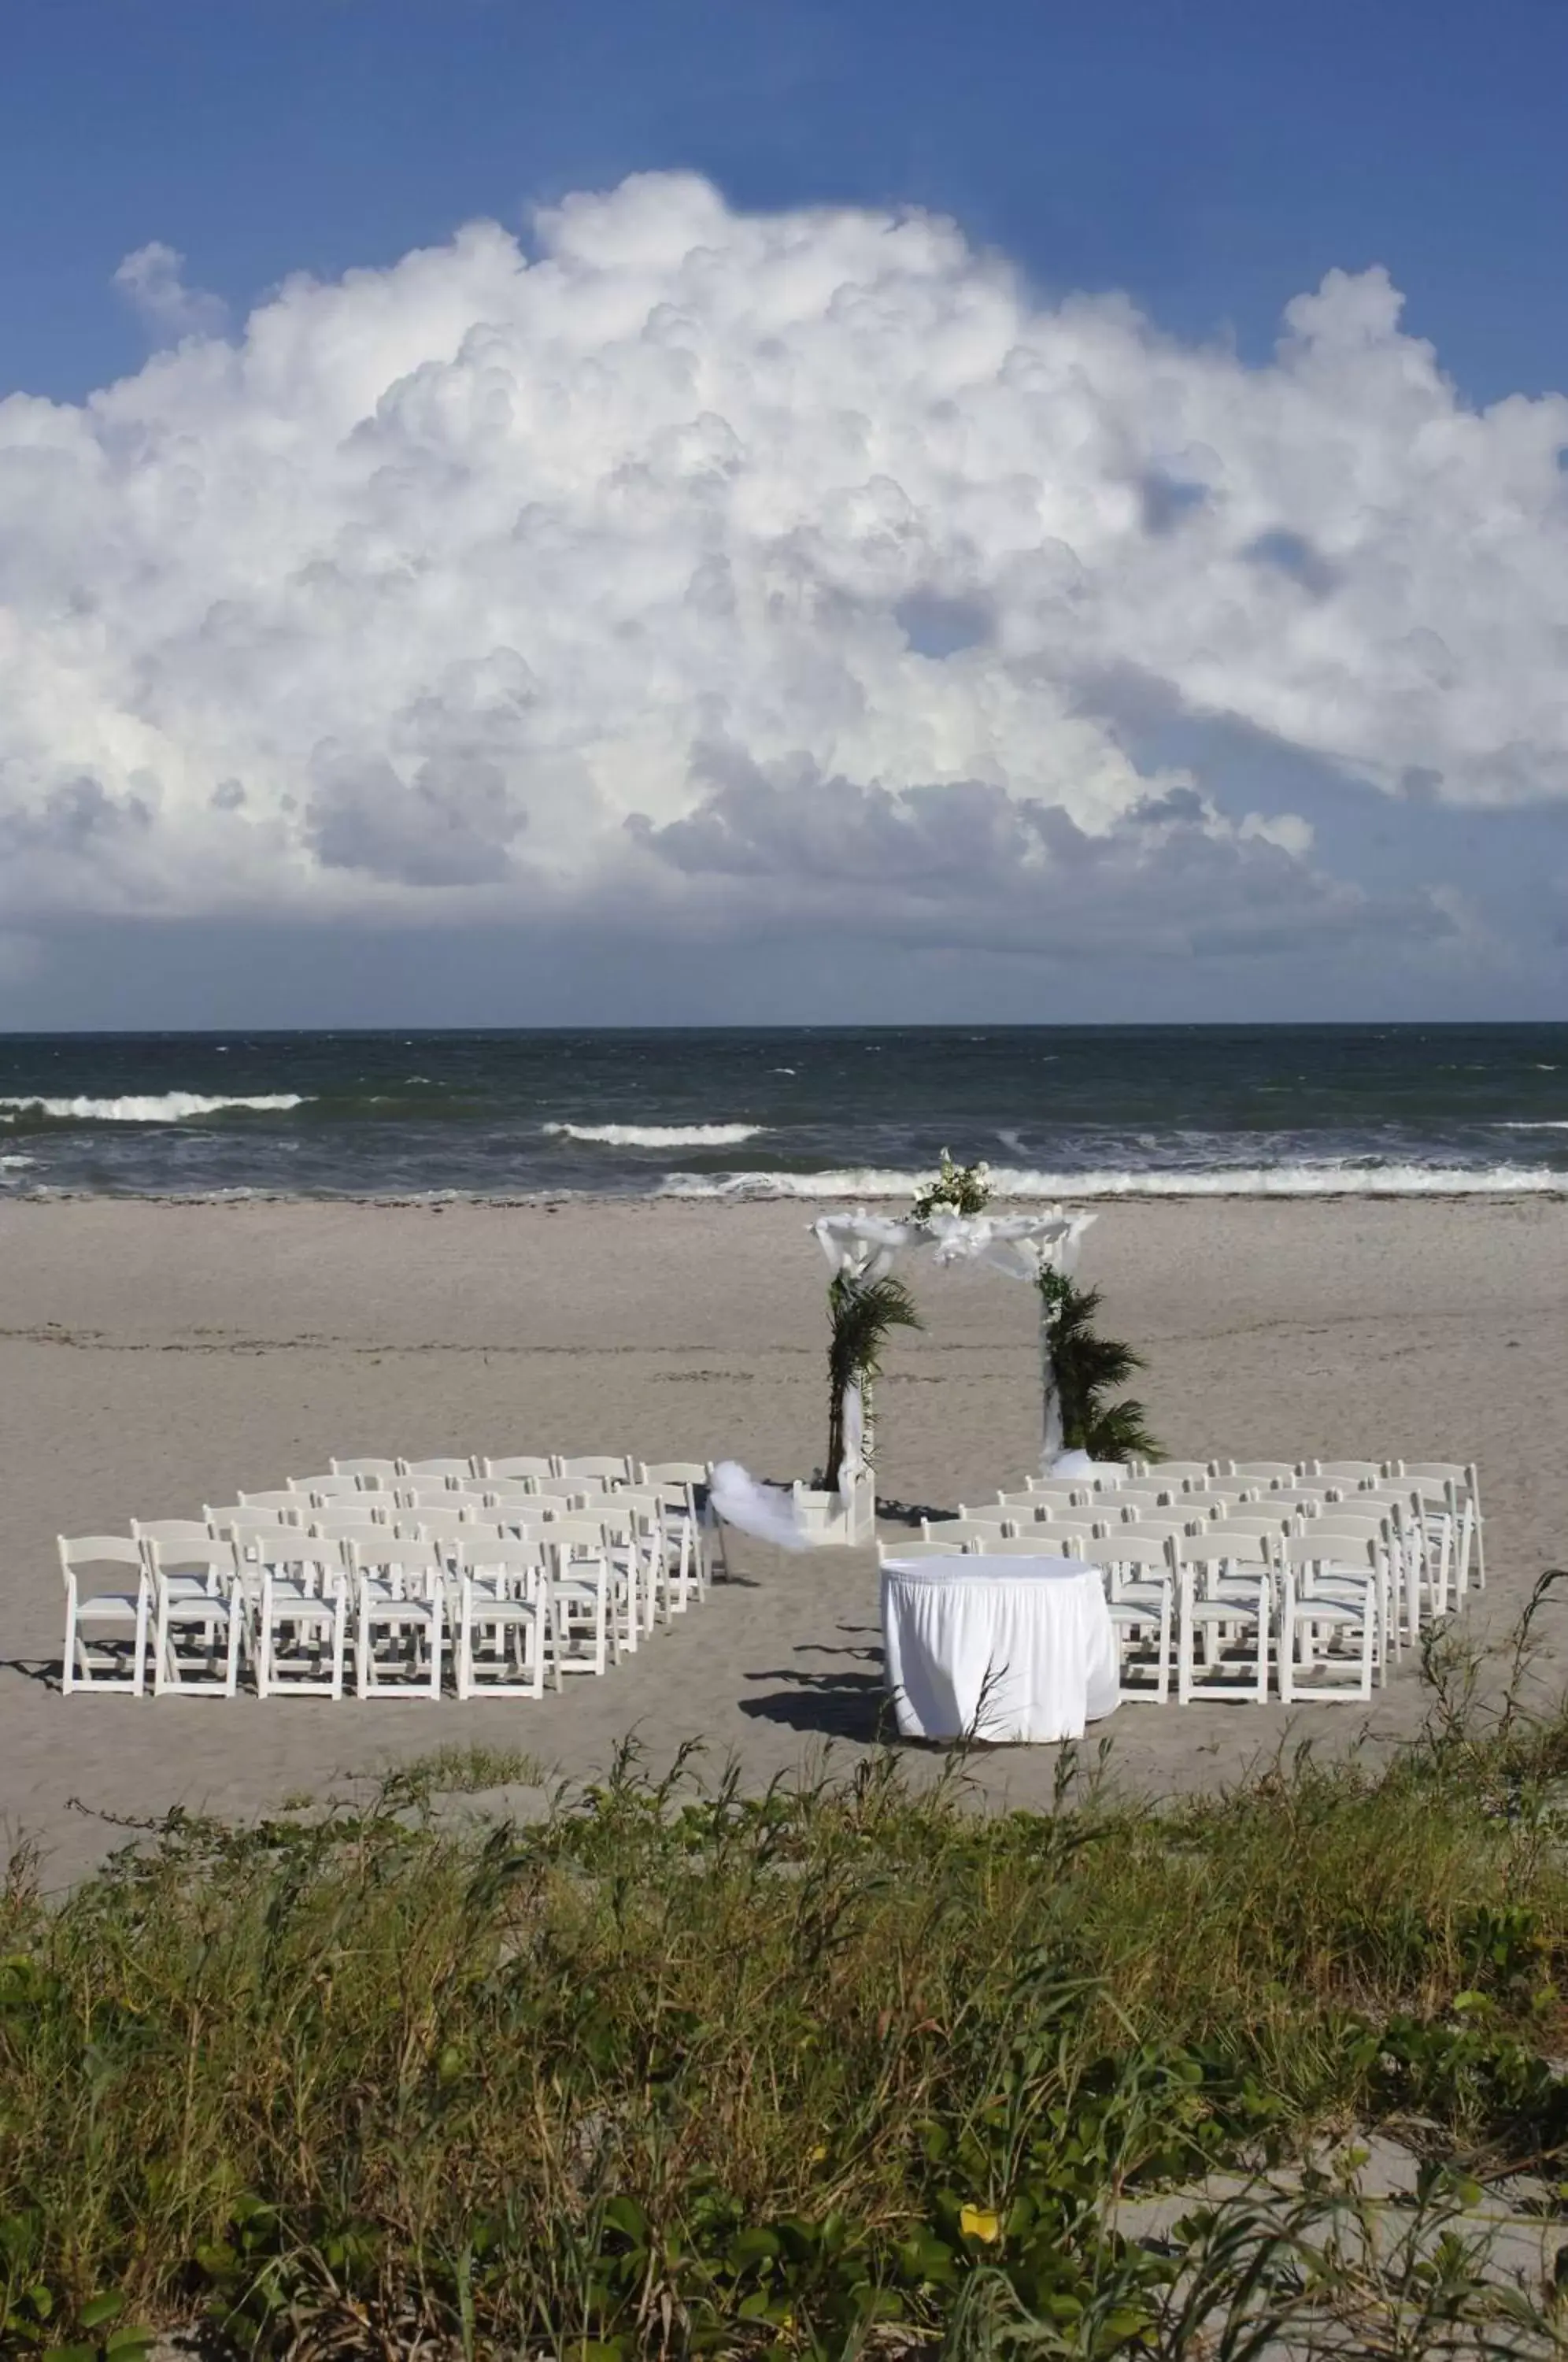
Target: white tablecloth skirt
998, 1648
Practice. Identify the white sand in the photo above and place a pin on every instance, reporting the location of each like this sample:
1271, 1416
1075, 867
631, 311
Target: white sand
155, 1356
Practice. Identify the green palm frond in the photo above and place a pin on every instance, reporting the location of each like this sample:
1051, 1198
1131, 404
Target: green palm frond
863, 1313
1090, 1368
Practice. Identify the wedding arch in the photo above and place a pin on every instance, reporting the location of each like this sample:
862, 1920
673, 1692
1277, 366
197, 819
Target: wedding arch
862, 1247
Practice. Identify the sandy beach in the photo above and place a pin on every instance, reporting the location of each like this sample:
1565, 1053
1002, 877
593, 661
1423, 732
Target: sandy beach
157, 1356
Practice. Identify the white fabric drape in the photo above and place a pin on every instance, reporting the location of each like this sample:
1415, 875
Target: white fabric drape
996, 1648
768, 1511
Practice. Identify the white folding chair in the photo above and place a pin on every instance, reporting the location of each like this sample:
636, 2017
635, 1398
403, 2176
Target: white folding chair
121, 1616
519, 1465
503, 1618
577, 1593
199, 1612
1371, 1539
382, 1471
1435, 1478
684, 1483
399, 1613
1139, 1598
301, 1624
281, 1497
339, 1486
1345, 1471
1224, 1595
1327, 1597
1180, 1472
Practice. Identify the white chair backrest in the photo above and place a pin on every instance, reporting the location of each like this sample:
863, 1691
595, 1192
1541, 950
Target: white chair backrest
1263, 1471
1153, 1528
495, 1553
79, 1551
440, 1525
452, 1471
1463, 1476
960, 1529
605, 1467
173, 1535
885, 1551
1124, 1548
226, 1513
215, 1558
399, 1552
1211, 1549
1248, 1521
283, 1497
329, 1488
991, 1514
382, 1468
255, 1537
1345, 1471
520, 1465
1040, 1541
1183, 1472
349, 1516
1045, 1490
673, 1472
1310, 1549
574, 1532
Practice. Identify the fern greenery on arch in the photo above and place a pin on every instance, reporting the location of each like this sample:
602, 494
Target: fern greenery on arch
863, 1313
1088, 1369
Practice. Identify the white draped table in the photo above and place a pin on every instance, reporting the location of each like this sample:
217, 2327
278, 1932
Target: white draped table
998, 1648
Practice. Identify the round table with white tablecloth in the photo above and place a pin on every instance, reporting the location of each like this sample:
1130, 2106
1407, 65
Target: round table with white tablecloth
1000, 1648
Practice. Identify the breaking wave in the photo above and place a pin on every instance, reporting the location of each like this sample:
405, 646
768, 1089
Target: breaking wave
1237, 1181
656, 1135
166, 1107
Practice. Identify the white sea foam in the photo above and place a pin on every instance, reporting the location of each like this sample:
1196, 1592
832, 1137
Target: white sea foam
166, 1107
658, 1135
1233, 1181
13, 1164
1546, 1124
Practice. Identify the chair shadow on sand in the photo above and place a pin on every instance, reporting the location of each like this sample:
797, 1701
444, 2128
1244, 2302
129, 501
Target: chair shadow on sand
843, 1702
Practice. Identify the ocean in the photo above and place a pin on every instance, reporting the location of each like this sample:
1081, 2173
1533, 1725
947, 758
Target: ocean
813, 1112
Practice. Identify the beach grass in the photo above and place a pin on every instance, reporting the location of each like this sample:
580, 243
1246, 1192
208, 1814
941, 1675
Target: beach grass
683, 2068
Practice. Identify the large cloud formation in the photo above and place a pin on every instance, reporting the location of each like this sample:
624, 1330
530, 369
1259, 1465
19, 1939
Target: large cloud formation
701, 563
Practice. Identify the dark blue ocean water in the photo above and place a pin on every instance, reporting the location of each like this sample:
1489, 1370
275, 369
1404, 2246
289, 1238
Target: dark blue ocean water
815, 1112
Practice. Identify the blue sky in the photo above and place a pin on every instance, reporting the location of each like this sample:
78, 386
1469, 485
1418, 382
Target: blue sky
1211, 161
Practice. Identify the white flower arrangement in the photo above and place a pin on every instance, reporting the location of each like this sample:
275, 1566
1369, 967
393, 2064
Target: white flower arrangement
956, 1190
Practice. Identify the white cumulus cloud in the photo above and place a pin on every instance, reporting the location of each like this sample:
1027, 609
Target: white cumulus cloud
694, 556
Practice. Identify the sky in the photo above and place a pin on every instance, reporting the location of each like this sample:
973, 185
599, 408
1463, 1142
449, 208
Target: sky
701, 511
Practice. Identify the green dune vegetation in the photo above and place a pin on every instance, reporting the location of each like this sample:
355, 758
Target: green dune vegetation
850, 2065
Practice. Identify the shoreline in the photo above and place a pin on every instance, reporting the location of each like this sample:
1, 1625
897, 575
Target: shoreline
1553, 1187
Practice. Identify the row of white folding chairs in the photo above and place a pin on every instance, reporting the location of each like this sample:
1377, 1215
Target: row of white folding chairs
682, 1483
1453, 1485
1212, 1609
670, 1531
1419, 1554
239, 1581
1441, 1526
